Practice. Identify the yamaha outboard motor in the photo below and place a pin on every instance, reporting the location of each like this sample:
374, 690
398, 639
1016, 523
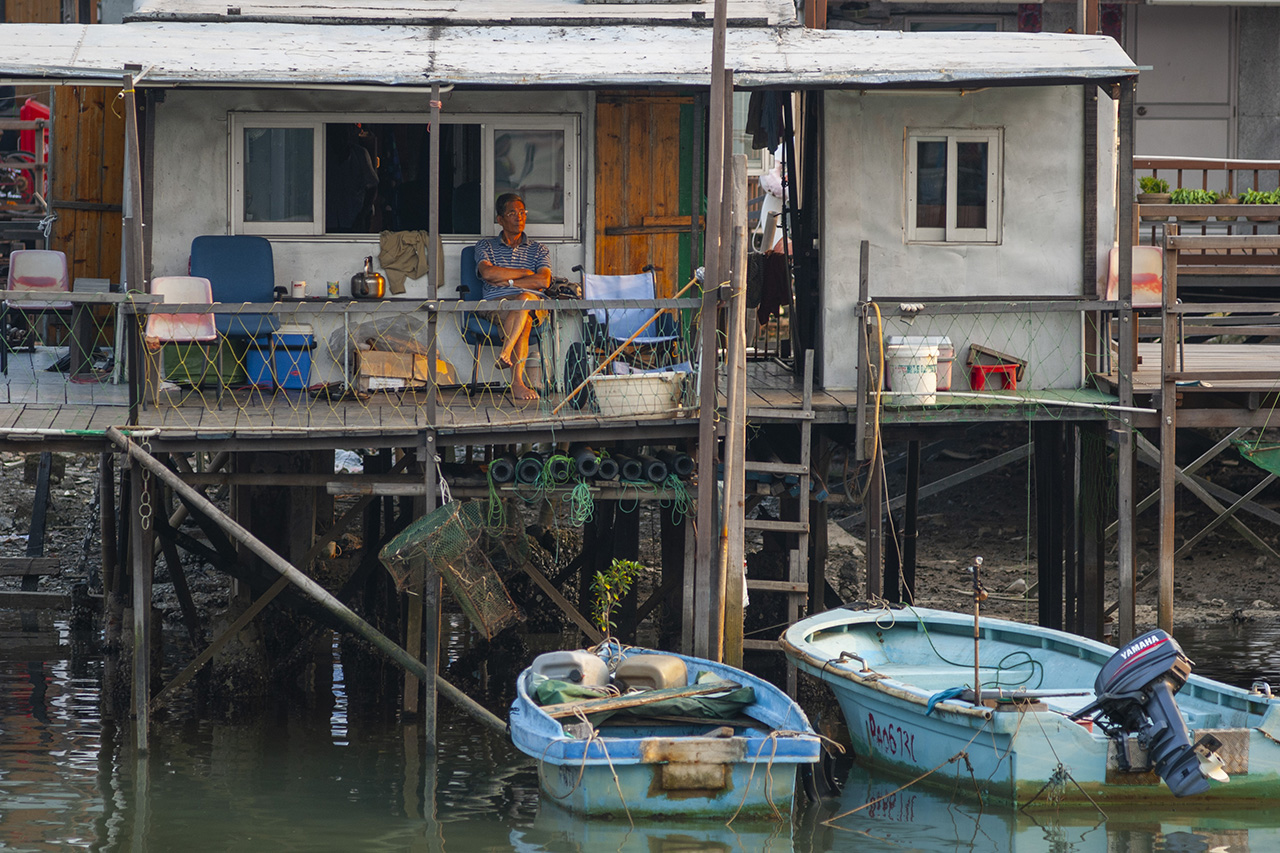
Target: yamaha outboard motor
1134, 693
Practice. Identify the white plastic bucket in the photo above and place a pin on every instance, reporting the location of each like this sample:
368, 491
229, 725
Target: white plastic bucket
912, 374
946, 353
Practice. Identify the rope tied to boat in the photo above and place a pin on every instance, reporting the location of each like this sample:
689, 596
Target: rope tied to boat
593, 736
1058, 779
772, 742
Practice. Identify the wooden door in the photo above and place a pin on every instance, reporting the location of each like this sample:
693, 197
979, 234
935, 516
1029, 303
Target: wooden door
643, 174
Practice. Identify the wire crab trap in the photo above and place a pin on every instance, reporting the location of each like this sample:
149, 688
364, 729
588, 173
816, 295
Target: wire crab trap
456, 540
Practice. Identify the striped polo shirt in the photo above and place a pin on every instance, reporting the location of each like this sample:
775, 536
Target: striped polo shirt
525, 255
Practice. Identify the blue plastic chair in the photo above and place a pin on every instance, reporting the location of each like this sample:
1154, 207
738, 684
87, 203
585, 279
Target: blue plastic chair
240, 269
477, 330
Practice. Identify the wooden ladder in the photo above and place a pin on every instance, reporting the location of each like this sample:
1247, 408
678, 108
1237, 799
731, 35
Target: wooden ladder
796, 587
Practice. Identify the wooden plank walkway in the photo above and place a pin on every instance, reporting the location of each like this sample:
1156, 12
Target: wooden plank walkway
774, 395
1214, 362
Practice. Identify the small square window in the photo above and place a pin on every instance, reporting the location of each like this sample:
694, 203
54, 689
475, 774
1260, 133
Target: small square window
953, 186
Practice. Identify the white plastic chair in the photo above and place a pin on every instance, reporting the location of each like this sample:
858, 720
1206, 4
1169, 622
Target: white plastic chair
194, 328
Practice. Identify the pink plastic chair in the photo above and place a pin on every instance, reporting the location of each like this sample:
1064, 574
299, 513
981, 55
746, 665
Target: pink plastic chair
196, 328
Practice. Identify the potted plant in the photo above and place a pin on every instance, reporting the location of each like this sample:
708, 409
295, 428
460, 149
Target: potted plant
1260, 197
1225, 197
1153, 190
1183, 195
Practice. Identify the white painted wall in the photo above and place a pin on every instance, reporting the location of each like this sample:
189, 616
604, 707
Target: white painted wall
191, 192
1040, 248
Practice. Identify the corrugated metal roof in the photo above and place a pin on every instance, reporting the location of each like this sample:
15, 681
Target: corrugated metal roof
584, 57
760, 12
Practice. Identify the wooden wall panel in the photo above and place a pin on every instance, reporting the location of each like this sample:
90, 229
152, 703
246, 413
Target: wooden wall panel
88, 170
665, 248
610, 181
638, 156
33, 11
638, 189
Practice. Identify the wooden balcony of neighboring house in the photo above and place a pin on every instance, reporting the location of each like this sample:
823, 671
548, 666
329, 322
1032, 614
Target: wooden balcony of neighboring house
1206, 282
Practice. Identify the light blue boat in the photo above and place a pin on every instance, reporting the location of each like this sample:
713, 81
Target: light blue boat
1037, 737
690, 769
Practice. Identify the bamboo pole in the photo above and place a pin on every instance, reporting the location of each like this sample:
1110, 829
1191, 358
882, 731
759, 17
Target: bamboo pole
618, 351
732, 576
312, 589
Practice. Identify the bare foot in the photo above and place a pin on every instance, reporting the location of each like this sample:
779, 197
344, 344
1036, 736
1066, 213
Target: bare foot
504, 361
523, 392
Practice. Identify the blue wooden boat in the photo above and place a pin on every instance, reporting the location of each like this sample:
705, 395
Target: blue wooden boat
1059, 719
669, 766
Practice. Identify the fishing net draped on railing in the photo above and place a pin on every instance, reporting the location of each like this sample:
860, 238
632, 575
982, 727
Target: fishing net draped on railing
458, 540
986, 355
413, 364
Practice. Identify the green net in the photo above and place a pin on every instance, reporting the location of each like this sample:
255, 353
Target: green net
456, 541
1265, 456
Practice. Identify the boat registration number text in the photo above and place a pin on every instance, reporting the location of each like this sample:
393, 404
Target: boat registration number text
891, 738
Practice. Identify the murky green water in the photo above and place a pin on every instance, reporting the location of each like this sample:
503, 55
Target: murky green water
341, 781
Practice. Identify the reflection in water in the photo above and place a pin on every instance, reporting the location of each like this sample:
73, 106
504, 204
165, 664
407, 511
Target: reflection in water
918, 819
342, 778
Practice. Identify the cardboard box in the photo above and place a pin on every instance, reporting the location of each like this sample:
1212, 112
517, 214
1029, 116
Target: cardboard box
390, 371
398, 371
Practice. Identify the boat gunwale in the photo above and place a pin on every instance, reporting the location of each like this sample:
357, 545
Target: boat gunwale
802, 748
1203, 690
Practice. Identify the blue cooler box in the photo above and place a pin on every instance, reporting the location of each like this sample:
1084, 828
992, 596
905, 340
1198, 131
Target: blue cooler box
284, 361
291, 347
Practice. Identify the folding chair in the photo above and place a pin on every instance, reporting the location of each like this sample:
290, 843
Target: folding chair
240, 269
192, 329
609, 328
34, 271
478, 330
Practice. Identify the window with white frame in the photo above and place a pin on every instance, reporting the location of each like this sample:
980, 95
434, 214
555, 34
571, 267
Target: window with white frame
330, 174
953, 185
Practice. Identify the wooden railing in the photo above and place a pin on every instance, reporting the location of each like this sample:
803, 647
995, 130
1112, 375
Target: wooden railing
1240, 258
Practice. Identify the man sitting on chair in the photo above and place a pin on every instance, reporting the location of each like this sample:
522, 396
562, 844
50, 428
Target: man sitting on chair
512, 266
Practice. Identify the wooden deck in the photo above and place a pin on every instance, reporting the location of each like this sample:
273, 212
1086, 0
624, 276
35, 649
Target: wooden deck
35, 401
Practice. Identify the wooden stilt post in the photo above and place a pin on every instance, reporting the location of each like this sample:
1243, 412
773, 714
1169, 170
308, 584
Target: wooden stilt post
135, 260
141, 557
910, 524
428, 609
107, 525
735, 444
1093, 463
430, 603
875, 527
706, 634
672, 542
1168, 434
1125, 442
